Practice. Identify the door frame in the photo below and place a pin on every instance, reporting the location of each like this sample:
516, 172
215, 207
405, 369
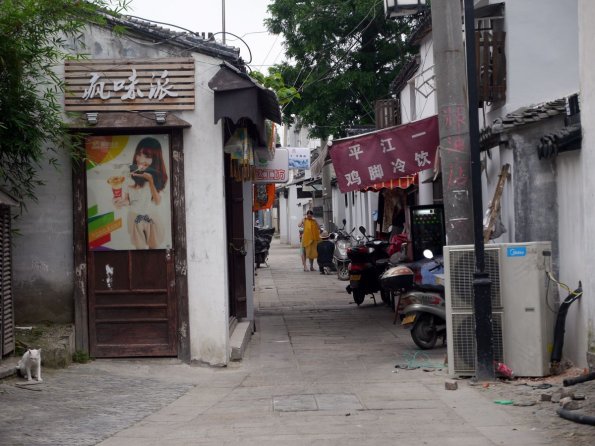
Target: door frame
81, 296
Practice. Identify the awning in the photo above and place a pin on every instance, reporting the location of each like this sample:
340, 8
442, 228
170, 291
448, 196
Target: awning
401, 183
385, 155
238, 96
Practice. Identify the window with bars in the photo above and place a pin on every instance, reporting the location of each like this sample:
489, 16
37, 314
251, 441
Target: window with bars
490, 40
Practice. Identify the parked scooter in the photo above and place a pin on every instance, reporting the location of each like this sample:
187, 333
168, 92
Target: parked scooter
343, 241
368, 261
262, 243
425, 311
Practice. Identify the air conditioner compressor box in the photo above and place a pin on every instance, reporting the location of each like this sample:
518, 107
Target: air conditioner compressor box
522, 297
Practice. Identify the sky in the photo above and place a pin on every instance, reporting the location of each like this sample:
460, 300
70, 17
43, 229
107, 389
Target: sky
242, 17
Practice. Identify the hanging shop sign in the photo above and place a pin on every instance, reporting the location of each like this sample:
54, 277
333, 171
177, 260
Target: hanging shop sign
135, 84
273, 171
385, 155
128, 192
299, 158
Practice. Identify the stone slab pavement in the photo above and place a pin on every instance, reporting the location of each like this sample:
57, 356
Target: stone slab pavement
318, 370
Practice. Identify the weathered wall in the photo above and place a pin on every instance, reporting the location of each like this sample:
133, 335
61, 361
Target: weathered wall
534, 180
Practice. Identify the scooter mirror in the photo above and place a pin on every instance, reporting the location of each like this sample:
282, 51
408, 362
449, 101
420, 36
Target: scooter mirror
344, 222
428, 254
362, 230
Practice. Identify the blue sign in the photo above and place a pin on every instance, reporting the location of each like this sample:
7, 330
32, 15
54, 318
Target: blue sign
517, 251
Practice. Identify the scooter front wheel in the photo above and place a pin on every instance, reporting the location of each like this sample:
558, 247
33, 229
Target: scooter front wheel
424, 332
343, 272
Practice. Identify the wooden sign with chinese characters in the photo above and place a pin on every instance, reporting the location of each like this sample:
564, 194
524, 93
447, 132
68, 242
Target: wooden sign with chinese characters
129, 84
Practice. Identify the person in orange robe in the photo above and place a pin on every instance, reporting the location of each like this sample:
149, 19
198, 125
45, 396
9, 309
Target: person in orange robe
310, 239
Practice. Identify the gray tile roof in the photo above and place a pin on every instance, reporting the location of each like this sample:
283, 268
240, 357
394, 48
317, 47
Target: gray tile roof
528, 115
185, 39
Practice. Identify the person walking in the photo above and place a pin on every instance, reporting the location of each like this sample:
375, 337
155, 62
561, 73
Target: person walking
310, 238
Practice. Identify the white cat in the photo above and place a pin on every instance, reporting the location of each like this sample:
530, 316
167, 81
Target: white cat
31, 360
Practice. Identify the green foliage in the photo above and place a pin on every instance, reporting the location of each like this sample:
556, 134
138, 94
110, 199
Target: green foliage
33, 45
81, 357
274, 81
343, 56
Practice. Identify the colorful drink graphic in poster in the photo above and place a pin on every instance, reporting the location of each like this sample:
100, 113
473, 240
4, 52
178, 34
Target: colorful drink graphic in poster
128, 192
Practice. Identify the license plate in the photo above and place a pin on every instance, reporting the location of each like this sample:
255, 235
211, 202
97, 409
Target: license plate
355, 277
408, 319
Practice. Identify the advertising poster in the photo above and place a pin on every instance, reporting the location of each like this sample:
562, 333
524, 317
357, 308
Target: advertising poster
128, 192
299, 158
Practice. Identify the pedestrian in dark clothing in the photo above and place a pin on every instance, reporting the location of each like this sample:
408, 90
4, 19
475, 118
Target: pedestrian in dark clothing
325, 252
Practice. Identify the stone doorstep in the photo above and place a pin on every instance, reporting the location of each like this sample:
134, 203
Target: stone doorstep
8, 367
239, 339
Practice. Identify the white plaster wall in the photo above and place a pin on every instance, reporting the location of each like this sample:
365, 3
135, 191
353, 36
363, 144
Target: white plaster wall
421, 87
205, 225
283, 220
249, 245
541, 52
587, 258
572, 239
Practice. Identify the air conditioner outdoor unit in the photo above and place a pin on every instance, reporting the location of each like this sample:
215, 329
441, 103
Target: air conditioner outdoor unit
523, 306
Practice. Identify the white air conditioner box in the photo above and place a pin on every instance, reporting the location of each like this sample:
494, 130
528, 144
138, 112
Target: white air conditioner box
523, 306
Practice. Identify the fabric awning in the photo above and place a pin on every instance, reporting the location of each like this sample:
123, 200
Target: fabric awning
401, 183
384, 155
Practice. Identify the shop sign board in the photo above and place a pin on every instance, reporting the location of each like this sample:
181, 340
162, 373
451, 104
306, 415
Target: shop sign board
384, 155
129, 84
299, 158
272, 171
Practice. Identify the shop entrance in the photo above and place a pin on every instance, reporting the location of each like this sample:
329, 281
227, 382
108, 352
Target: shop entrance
131, 283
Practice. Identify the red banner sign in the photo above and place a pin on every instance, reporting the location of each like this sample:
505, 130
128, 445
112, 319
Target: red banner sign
387, 154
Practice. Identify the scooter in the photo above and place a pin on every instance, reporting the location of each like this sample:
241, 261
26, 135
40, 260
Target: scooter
368, 261
343, 241
424, 305
262, 243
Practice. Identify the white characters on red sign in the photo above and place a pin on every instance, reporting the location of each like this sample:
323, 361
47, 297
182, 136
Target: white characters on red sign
399, 165
353, 178
376, 172
387, 145
421, 158
355, 151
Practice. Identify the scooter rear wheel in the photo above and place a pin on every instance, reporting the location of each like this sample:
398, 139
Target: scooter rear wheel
424, 332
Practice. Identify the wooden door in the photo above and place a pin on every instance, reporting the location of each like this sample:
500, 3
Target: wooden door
130, 259
237, 250
132, 305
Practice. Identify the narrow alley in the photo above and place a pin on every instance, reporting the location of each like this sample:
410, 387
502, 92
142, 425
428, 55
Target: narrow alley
318, 370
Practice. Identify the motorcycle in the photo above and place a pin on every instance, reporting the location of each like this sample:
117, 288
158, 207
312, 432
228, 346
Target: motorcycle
424, 305
368, 261
343, 241
262, 243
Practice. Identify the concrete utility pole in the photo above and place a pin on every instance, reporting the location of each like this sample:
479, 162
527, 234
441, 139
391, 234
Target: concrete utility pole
459, 153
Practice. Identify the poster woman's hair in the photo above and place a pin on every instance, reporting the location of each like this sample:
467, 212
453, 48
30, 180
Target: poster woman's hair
151, 148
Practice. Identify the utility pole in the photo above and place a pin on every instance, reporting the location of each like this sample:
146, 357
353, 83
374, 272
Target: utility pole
459, 154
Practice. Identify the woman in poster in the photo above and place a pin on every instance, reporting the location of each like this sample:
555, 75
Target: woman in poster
149, 176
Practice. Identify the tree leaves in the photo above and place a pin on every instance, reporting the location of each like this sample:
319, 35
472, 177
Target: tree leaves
34, 34
343, 56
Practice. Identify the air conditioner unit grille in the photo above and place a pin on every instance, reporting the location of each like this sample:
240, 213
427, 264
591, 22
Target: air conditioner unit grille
463, 334
462, 268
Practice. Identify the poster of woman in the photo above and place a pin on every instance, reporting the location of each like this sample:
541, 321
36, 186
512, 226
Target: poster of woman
128, 192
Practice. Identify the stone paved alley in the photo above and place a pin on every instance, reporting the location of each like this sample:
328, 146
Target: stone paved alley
318, 370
